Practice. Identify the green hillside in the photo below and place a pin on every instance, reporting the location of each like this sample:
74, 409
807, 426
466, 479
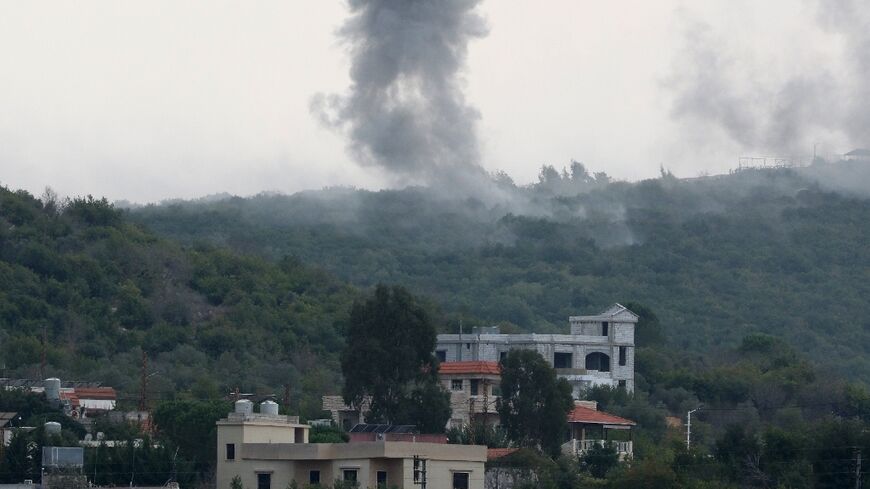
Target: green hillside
776, 251
101, 290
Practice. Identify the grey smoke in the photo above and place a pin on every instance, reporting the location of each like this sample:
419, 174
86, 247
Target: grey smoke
405, 111
714, 94
850, 19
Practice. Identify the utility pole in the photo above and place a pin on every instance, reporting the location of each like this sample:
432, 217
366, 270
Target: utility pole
143, 384
689, 427
857, 467
460, 340
42, 360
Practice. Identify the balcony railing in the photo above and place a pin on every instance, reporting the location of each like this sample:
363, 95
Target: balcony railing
578, 447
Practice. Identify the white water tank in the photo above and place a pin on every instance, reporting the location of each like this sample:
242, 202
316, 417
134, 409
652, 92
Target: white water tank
52, 428
269, 407
52, 389
244, 406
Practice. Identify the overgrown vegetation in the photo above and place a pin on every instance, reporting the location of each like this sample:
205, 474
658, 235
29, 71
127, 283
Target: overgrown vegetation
718, 258
101, 290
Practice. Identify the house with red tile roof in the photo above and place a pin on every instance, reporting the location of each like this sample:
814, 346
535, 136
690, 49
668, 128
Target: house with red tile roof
589, 427
474, 391
473, 387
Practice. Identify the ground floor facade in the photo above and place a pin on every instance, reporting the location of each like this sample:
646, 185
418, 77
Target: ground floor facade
367, 464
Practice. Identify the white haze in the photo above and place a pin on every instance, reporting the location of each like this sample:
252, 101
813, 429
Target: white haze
150, 100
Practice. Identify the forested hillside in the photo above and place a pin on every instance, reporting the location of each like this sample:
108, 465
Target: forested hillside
100, 290
776, 251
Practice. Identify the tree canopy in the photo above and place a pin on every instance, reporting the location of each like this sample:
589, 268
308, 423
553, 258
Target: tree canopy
534, 403
388, 357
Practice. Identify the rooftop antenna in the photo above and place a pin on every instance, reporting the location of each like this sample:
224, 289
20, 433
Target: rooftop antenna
287, 398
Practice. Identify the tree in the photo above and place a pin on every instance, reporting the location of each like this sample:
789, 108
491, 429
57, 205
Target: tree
600, 459
190, 426
534, 404
648, 331
388, 357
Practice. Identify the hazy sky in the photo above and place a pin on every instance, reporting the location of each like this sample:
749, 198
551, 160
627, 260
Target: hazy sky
155, 99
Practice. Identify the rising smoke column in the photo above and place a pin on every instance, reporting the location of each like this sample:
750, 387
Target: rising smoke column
405, 111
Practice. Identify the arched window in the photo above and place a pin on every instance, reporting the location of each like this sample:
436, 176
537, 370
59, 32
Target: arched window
598, 361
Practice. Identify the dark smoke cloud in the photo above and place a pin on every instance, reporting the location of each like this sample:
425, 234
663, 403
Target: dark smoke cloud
715, 94
405, 111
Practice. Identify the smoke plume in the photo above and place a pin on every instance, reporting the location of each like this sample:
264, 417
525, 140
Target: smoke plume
405, 111
717, 94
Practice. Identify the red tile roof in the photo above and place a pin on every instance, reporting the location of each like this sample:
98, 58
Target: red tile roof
494, 453
104, 393
586, 415
71, 397
486, 368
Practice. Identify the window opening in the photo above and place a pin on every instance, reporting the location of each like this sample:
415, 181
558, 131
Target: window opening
563, 360
460, 480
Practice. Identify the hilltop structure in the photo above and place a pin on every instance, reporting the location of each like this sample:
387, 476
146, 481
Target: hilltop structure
599, 350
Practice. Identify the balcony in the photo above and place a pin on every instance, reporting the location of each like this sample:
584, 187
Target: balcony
579, 447
483, 404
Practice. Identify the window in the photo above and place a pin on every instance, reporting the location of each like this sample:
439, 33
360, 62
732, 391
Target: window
605, 327
502, 355
382, 479
349, 475
473, 384
231, 451
441, 355
460, 480
622, 355
598, 361
314, 477
622, 384
468, 346
264, 481
563, 360
456, 385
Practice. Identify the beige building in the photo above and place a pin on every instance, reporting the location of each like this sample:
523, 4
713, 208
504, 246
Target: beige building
268, 451
474, 391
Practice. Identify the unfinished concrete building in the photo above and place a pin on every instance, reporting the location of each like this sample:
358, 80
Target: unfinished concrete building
599, 350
